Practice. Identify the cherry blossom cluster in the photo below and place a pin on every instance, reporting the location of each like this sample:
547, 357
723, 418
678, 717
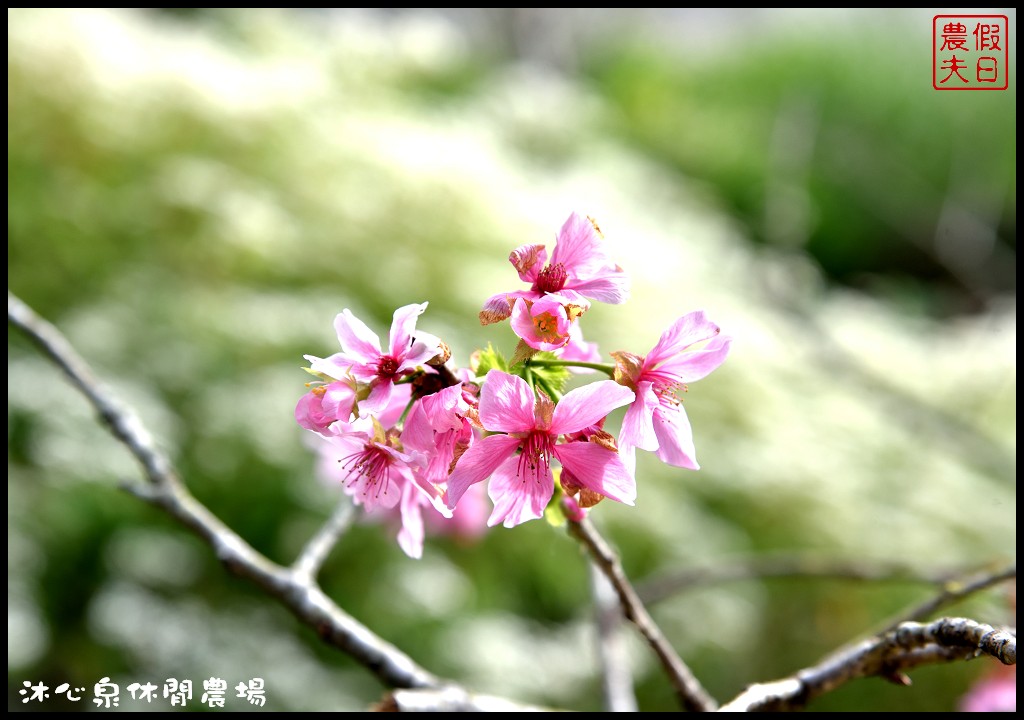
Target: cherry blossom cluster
404, 430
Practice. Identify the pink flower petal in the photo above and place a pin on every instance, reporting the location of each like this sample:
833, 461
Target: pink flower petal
410, 536
675, 437
364, 491
995, 692
586, 405
444, 408
444, 452
518, 498
416, 431
506, 403
310, 413
689, 329
693, 365
610, 287
424, 347
403, 323
478, 463
638, 425
389, 415
338, 366
357, 340
339, 400
568, 296
599, 469
580, 249
628, 456
377, 400
528, 261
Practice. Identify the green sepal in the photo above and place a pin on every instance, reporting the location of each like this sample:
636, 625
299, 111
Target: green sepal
320, 376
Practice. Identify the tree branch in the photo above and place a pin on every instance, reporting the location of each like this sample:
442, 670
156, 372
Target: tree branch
449, 699
295, 590
953, 592
908, 646
901, 646
312, 557
690, 692
616, 677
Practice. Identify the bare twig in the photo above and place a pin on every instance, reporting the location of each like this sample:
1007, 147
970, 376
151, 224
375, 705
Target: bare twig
787, 566
312, 557
691, 693
908, 646
123, 423
616, 676
300, 595
953, 592
449, 699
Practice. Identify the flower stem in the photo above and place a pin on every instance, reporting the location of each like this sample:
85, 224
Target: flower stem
405, 413
603, 367
528, 376
409, 379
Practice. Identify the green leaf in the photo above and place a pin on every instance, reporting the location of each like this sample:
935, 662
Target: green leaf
552, 378
484, 361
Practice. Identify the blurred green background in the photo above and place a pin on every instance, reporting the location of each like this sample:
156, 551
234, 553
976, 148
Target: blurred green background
194, 195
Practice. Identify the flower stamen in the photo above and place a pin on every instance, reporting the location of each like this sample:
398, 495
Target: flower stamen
534, 457
370, 463
551, 279
387, 367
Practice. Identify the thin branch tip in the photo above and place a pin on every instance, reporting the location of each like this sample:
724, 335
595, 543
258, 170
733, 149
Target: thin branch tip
688, 688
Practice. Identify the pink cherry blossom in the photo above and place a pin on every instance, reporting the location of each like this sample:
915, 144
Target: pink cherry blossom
377, 473
688, 351
325, 404
580, 270
362, 357
437, 426
543, 324
518, 456
370, 464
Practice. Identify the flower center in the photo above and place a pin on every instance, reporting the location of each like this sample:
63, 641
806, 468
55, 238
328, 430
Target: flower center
371, 463
534, 457
551, 279
547, 327
387, 367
